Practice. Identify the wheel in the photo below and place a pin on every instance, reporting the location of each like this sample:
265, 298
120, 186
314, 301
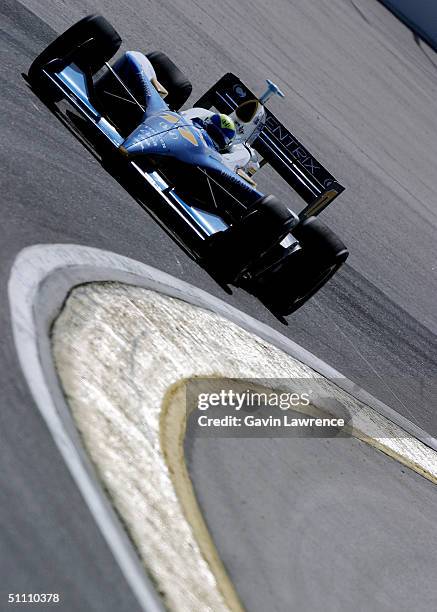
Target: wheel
305, 271
231, 251
176, 83
100, 42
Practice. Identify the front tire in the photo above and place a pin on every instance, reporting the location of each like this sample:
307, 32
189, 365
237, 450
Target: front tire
90, 43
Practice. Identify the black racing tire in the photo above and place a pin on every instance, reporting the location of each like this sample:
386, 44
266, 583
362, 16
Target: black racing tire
320, 239
265, 224
102, 43
306, 271
168, 74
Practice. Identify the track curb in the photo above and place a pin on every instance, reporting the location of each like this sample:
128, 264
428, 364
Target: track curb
41, 278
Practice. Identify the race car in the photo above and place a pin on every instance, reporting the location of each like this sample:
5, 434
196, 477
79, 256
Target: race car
204, 190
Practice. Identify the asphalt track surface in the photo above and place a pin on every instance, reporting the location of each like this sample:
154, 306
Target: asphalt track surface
361, 94
318, 525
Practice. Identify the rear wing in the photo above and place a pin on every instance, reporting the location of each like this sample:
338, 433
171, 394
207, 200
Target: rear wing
278, 147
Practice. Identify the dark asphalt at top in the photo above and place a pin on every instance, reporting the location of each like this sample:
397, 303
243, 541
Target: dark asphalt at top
365, 104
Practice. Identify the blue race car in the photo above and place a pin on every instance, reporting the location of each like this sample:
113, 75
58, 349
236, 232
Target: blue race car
198, 165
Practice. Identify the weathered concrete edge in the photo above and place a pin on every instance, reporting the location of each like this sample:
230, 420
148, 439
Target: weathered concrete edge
37, 290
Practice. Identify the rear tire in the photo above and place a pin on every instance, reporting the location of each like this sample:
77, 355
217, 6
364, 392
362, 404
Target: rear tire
321, 255
168, 74
100, 43
262, 227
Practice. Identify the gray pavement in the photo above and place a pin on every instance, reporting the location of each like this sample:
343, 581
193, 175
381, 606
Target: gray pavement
362, 95
321, 525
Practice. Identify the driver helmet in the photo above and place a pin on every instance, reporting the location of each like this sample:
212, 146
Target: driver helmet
221, 129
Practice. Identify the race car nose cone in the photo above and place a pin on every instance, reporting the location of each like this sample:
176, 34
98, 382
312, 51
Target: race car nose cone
136, 144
